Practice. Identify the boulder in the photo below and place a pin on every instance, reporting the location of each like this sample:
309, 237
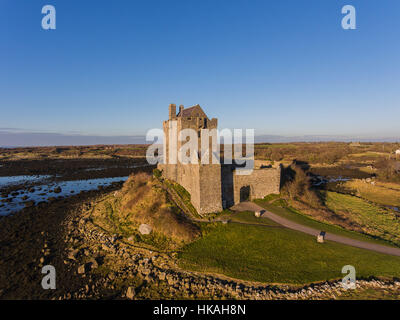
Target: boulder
73, 254
29, 203
130, 293
161, 276
93, 263
145, 228
82, 269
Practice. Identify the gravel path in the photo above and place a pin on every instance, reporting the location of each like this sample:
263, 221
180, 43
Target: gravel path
251, 206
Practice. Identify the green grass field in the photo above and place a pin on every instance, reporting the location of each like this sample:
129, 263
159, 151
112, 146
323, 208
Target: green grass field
248, 217
278, 255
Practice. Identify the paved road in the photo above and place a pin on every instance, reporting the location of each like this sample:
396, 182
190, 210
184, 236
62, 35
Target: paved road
251, 206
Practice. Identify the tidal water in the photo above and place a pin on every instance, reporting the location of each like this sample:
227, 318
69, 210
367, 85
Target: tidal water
11, 180
321, 180
42, 192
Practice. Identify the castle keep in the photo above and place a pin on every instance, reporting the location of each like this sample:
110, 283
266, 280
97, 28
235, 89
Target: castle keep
213, 187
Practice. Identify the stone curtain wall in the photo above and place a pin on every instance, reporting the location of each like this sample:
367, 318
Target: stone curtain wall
262, 182
189, 178
210, 189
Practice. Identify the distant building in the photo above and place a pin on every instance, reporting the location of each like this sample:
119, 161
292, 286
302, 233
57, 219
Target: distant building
355, 144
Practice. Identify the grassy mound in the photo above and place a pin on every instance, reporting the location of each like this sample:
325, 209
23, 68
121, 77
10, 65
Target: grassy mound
142, 200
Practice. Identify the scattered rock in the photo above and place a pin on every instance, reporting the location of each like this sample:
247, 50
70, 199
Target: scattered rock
82, 269
73, 254
130, 293
145, 228
29, 203
93, 264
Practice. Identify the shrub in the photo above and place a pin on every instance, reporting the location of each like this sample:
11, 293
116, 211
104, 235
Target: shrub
297, 186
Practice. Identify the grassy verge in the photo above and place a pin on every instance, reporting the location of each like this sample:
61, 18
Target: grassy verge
296, 216
184, 195
279, 255
248, 217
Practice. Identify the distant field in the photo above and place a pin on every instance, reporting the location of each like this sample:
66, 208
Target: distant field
382, 193
74, 152
312, 153
375, 220
369, 154
340, 171
278, 255
276, 145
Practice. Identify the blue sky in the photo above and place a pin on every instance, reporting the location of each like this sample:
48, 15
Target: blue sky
282, 67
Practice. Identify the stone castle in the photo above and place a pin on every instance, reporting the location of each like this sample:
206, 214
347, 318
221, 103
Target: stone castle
213, 187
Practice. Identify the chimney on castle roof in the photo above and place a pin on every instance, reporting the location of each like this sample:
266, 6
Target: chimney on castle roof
181, 107
172, 111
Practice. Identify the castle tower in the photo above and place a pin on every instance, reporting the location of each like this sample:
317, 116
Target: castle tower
203, 182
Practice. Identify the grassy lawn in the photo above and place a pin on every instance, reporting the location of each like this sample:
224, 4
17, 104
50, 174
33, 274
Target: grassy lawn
248, 217
278, 255
296, 216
